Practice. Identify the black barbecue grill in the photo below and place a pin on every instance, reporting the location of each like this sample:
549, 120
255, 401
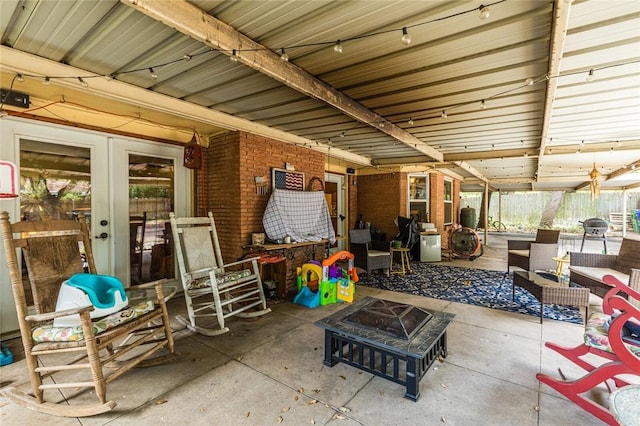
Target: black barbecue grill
595, 228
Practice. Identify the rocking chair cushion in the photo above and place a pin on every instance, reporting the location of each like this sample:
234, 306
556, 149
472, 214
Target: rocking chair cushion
221, 277
595, 334
50, 333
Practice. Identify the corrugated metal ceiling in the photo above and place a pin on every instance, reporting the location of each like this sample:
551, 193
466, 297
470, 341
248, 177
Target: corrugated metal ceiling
454, 63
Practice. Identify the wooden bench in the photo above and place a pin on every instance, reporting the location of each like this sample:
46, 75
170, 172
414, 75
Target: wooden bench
616, 221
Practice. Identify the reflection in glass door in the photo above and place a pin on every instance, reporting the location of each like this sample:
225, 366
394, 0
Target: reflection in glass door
55, 181
151, 194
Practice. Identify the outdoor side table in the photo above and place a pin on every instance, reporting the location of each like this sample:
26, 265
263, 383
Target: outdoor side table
550, 289
404, 260
560, 264
624, 403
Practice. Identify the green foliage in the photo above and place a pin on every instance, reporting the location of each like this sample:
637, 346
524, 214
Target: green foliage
148, 191
521, 211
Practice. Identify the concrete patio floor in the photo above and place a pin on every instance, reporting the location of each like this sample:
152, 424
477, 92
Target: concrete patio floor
270, 371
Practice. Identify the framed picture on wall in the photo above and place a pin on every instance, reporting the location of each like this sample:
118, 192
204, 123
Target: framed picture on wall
287, 179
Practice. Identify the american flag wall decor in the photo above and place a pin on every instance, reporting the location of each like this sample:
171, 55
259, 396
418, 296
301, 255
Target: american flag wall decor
286, 179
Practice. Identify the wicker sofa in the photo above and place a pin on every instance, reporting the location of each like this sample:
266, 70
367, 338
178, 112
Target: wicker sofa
587, 269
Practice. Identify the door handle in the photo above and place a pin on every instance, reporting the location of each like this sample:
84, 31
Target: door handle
102, 236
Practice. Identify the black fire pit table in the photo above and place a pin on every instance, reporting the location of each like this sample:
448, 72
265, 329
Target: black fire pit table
395, 341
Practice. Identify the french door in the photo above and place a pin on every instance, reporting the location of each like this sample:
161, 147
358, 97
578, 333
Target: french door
67, 172
335, 194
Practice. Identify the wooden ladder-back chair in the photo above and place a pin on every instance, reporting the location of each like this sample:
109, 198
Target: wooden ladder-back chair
137, 228
89, 355
213, 289
608, 337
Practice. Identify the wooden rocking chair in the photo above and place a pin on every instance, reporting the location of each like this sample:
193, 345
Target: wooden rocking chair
620, 353
90, 355
212, 288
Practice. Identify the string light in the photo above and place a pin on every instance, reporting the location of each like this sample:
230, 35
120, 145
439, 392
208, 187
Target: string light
484, 12
483, 104
186, 57
406, 38
529, 81
590, 76
284, 57
410, 121
338, 47
444, 114
82, 82
19, 77
153, 74
46, 81
233, 56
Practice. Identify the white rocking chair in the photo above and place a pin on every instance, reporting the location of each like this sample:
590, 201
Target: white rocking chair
211, 288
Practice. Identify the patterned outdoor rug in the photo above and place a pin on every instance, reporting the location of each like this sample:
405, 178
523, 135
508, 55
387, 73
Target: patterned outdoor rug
491, 289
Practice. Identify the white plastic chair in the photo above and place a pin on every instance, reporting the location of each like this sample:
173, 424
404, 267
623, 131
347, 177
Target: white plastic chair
213, 289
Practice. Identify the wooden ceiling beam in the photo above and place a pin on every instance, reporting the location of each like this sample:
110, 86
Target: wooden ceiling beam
199, 25
623, 171
488, 155
597, 147
15, 61
467, 167
556, 50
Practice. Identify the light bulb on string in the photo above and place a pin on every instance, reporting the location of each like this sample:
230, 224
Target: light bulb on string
82, 82
186, 57
46, 81
444, 114
410, 121
483, 104
233, 56
484, 12
590, 76
337, 47
153, 74
529, 81
283, 56
406, 37
19, 77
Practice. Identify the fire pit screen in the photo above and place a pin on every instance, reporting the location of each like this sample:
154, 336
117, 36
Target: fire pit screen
397, 319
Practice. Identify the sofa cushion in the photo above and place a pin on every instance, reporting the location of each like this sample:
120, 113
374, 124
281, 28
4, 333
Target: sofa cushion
595, 334
522, 253
50, 333
596, 274
221, 278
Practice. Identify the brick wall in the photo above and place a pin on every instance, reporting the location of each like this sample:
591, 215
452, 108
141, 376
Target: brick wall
380, 199
436, 200
226, 183
226, 186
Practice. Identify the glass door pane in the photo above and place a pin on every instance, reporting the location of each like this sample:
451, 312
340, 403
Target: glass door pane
55, 181
151, 189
